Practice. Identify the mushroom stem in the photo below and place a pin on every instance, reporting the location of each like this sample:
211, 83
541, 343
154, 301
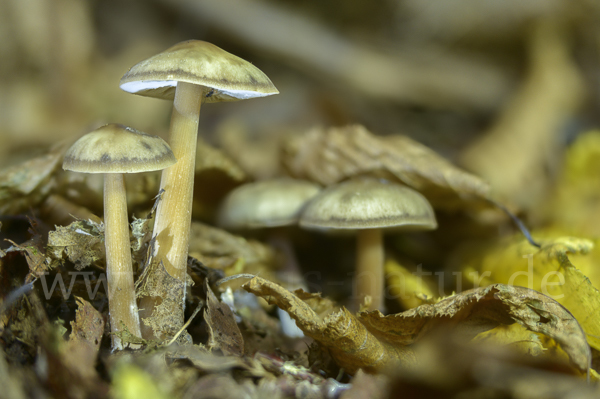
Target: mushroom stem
173, 216
369, 268
119, 269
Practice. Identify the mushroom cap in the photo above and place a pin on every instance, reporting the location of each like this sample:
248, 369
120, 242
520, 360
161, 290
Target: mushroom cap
368, 203
268, 203
116, 148
201, 63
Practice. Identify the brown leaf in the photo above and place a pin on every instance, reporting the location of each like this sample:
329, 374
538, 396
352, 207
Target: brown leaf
331, 155
223, 331
25, 185
88, 325
372, 341
481, 309
34, 254
80, 242
219, 249
84, 341
347, 339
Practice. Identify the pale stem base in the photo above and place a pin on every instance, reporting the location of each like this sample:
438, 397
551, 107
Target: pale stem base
370, 279
121, 291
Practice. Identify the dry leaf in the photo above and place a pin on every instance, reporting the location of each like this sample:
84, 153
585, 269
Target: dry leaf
553, 270
34, 254
80, 242
480, 309
88, 325
219, 249
408, 288
346, 338
223, 331
331, 155
84, 341
448, 367
25, 185
372, 341
573, 206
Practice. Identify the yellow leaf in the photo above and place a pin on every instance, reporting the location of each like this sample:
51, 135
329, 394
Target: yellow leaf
548, 270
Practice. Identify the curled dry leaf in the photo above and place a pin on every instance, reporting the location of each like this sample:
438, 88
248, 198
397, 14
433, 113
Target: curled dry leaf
347, 339
480, 309
564, 268
330, 155
223, 331
372, 341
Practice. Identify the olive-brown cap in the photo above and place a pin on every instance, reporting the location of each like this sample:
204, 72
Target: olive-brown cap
201, 63
116, 148
368, 203
267, 203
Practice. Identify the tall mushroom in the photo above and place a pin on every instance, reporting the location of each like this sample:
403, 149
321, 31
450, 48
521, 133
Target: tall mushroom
367, 206
113, 150
189, 73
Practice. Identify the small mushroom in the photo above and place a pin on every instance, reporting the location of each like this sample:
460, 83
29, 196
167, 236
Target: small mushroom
367, 206
267, 203
113, 150
189, 73
272, 204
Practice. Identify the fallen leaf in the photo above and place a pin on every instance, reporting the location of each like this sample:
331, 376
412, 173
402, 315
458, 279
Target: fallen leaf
573, 206
328, 156
372, 341
34, 254
84, 342
81, 242
481, 309
410, 289
88, 325
345, 337
223, 331
551, 269
25, 185
218, 249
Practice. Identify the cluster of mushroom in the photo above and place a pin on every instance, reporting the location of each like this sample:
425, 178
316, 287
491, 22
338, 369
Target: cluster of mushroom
192, 73
189, 73
364, 205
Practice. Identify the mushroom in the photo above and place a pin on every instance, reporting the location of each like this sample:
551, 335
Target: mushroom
113, 150
189, 73
267, 203
367, 206
272, 204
